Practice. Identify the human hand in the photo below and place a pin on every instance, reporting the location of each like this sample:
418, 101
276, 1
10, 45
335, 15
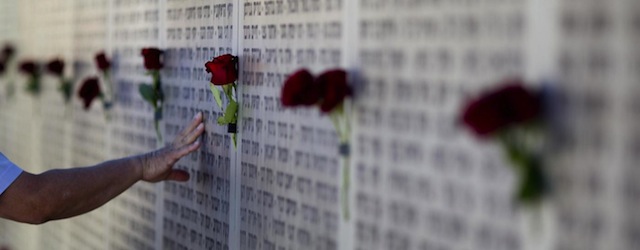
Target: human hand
158, 165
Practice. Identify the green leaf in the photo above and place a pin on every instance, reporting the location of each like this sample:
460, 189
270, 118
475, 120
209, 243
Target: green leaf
221, 120
33, 86
230, 114
234, 139
228, 90
532, 186
147, 93
216, 94
232, 111
66, 87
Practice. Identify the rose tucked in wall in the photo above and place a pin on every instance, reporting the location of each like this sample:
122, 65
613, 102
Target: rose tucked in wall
104, 66
152, 93
6, 56
300, 89
513, 115
102, 62
32, 71
55, 67
89, 90
8, 51
328, 92
224, 73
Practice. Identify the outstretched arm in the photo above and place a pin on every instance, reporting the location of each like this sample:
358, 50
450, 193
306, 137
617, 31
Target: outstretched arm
63, 193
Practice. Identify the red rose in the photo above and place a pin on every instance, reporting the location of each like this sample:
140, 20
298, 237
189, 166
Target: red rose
152, 58
29, 68
7, 52
223, 69
335, 89
300, 89
56, 67
500, 108
89, 90
102, 62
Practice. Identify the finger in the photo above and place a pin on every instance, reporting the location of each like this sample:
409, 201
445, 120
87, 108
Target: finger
197, 119
178, 175
193, 135
185, 150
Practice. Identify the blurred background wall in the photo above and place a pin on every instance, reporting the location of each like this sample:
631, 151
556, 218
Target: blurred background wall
418, 180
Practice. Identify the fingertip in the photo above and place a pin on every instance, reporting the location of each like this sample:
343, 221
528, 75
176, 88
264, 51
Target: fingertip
195, 145
197, 120
199, 117
199, 133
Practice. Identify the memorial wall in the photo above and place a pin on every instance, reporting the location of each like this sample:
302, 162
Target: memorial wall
415, 178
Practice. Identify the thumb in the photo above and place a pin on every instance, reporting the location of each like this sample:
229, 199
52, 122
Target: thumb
178, 175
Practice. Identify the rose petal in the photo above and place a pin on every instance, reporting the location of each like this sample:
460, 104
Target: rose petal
500, 108
56, 67
300, 89
223, 69
29, 67
152, 58
102, 62
334, 84
89, 90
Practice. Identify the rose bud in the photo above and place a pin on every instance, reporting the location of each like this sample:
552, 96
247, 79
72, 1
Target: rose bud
223, 69
7, 52
300, 89
89, 90
29, 68
152, 58
335, 89
56, 67
3, 67
500, 108
102, 62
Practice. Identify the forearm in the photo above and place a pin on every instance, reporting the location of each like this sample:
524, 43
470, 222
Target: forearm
64, 193
70, 192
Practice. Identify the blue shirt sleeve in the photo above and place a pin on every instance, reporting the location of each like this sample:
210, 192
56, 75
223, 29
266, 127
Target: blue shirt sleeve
9, 172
